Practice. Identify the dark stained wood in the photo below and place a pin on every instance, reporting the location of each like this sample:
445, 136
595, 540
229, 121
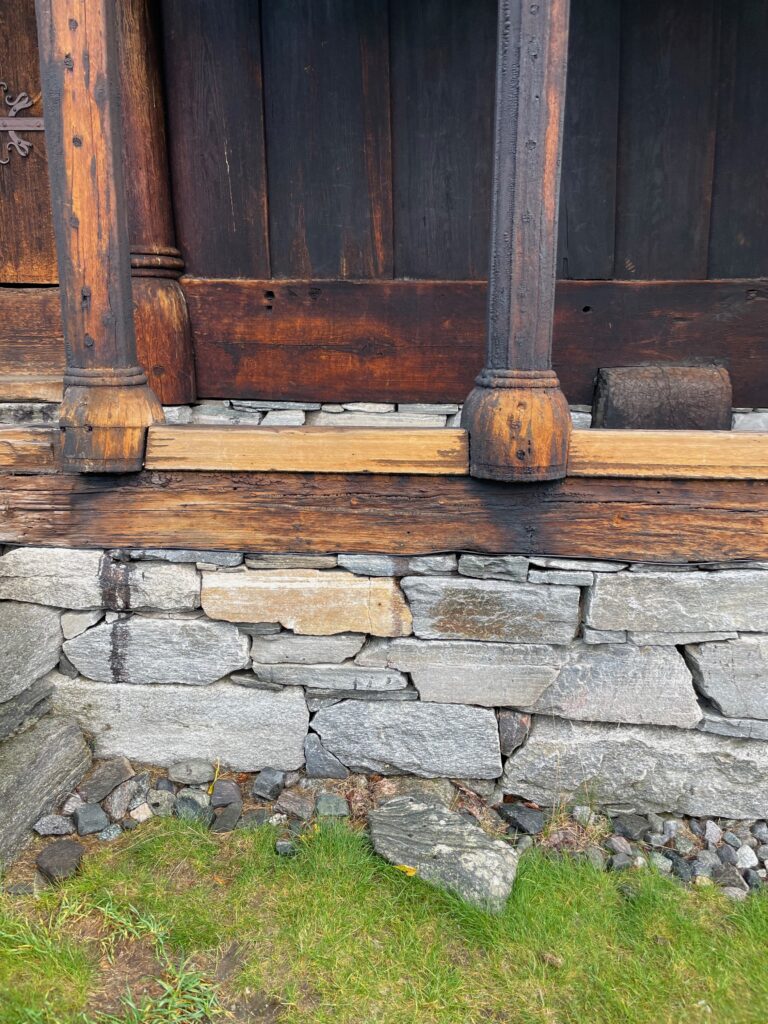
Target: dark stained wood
215, 122
516, 414
31, 339
423, 340
666, 138
663, 398
27, 249
107, 404
644, 520
163, 339
586, 224
442, 117
739, 231
326, 109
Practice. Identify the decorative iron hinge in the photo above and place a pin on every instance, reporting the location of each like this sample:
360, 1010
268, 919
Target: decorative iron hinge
14, 124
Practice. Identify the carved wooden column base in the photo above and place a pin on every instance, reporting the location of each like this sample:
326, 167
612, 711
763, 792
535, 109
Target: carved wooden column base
104, 419
519, 425
161, 319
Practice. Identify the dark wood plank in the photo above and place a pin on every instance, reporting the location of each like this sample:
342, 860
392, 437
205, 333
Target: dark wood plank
27, 248
588, 190
215, 124
645, 520
692, 398
326, 103
666, 138
31, 337
739, 233
423, 340
442, 117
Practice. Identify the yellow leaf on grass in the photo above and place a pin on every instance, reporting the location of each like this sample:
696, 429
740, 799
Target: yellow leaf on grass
405, 869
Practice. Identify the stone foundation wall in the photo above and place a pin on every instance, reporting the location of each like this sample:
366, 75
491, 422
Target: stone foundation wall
628, 686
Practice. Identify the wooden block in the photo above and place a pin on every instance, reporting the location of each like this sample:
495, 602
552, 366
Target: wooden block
29, 449
663, 398
28, 388
425, 451
665, 454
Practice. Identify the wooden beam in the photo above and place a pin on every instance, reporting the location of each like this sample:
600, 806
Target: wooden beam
107, 404
434, 452
516, 414
23, 387
29, 449
642, 520
669, 454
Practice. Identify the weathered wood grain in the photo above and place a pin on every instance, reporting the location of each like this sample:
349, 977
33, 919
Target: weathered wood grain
423, 340
29, 450
309, 449
663, 398
669, 454
647, 520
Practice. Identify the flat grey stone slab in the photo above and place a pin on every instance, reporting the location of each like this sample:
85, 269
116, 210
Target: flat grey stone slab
79, 579
26, 707
246, 729
431, 740
296, 649
468, 609
104, 778
222, 558
677, 639
60, 860
330, 677
640, 768
678, 602
146, 650
75, 623
733, 674
577, 564
321, 763
192, 771
38, 768
498, 567
30, 645
397, 565
444, 849
467, 672
739, 728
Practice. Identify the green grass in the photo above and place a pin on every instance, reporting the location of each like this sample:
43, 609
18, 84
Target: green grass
220, 928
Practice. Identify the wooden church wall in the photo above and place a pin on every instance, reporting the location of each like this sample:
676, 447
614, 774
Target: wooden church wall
331, 160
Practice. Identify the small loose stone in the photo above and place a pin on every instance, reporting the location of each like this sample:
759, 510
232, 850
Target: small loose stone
583, 816
141, 813
631, 826
619, 845
254, 819
161, 802
285, 848
712, 832
225, 792
522, 818
746, 857
90, 818
762, 853
760, 831
227, 818
661, 863
60, 860
165, 785
727, 854
104, 778
268, 784
110, 833
329, 805
296, 804
193, 771
732, 839
54, 825
753, 879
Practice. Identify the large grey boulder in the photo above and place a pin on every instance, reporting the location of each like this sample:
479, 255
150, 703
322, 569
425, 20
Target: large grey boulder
246, 729
622, 683
640, 768
444, 849
26, 707
468, 609
467, 672
733, 674
30, 645
296, 649
679, 602
80, 579
38, 768
331, 677
431, 740
146, 650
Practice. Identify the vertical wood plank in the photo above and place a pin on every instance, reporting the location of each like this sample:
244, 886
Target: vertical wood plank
587, 225
326, 90
442, 127
27, 248
666, 138
739, 233
215, 121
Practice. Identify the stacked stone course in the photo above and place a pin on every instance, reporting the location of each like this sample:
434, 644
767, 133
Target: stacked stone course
552, 679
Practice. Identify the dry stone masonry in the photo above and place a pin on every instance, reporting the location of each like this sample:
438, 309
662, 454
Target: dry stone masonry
638, 687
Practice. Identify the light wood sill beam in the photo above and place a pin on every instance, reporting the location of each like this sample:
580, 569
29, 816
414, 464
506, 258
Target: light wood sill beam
628, 454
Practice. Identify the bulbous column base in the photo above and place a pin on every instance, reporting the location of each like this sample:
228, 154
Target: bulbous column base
104, 428
519, 426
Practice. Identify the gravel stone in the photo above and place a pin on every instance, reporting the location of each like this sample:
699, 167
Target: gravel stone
227, 818
268, 784
705, 863
661, 863
60, 860
225, 792
522, 818
285, 848
194, 771
728, 876
329, 805
727, 854
161, 803
141, 813
514, 727
296, 804
90, 818
746, 857
712, 832
631, 826
732, 839
110, 833
681, 868
619, 845
54, 825
106, 776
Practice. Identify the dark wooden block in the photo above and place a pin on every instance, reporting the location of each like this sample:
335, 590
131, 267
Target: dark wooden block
663, 398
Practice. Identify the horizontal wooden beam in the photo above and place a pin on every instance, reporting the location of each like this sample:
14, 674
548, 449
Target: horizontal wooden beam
420, 340
669, 454
645, 520
29, 449
25, 387
424, 340
434, 452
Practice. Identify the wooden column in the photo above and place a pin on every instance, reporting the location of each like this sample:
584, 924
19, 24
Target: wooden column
163, 337
516, 415
107, 403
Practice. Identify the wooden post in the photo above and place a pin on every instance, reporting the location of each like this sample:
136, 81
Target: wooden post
107, 404
517, 416
163, 337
